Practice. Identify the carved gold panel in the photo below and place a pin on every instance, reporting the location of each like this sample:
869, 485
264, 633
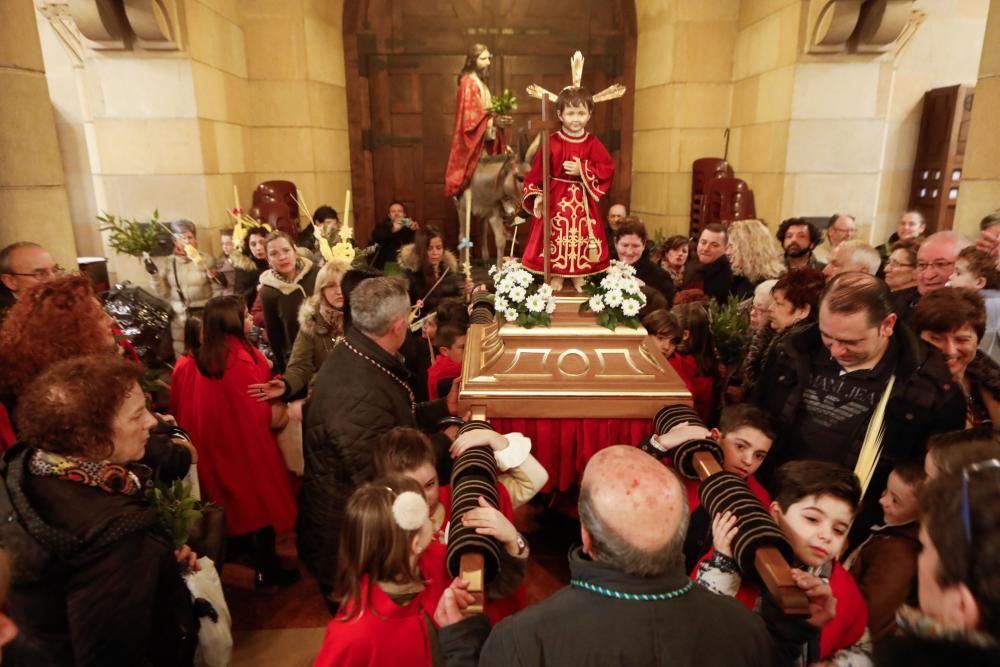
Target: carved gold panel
575, 368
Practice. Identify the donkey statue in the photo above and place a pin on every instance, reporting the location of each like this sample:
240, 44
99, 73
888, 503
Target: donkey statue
497, 188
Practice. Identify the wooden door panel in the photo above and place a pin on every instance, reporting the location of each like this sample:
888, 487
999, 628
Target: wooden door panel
405, 56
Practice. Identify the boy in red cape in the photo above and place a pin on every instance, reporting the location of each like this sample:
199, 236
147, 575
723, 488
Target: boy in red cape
581, 174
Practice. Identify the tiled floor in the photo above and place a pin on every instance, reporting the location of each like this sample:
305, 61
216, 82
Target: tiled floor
286, 628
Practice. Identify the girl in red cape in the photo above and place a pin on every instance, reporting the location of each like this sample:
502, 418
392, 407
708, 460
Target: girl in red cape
390, 578
240, 466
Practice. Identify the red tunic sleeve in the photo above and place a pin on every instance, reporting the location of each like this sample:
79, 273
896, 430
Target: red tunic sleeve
598, 169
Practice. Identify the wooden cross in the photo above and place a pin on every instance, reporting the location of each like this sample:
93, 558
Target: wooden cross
545, 125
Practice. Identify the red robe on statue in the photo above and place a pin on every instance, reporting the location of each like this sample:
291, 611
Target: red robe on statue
469, 138
239, 464
578, 245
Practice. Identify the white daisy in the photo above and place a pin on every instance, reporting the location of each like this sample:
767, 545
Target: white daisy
516, 294
596, 303
500, 304
510, 315
535, 303
613, 298
630, 307
550, 307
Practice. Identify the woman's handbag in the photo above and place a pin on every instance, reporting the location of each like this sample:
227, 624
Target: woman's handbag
215, 636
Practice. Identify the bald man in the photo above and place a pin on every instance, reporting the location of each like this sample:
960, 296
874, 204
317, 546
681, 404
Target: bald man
629, 601
935, 262
22, 265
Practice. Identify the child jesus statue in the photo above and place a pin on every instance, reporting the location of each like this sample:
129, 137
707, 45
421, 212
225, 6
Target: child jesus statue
582, 170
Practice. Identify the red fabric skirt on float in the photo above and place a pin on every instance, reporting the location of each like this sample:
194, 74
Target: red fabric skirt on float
563, 446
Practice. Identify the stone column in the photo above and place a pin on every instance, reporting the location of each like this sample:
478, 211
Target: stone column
979, 193
33, 201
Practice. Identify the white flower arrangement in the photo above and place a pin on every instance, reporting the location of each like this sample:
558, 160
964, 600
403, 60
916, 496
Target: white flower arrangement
521, 297
615, 296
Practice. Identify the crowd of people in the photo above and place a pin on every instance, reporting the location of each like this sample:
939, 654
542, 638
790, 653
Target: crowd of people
861, 415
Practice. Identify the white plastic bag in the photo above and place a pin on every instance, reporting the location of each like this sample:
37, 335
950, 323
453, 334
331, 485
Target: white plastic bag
215, 638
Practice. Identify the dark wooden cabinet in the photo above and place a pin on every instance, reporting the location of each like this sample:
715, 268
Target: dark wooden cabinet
937, 170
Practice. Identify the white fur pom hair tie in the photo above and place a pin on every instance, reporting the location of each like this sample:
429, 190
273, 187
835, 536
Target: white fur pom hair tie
410, 510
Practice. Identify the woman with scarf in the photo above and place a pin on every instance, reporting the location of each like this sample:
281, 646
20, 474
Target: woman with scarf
250, 261
62, 318
98, 584
321, 325
424, 263
290, 281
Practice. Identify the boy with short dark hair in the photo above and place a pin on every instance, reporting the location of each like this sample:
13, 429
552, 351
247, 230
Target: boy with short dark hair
885, 565
449, 342
976, 269
745, 435
815, 503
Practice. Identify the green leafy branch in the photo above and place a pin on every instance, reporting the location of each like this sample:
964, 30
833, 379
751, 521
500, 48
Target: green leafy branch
730, 326
503, 103
131, 237
176, 507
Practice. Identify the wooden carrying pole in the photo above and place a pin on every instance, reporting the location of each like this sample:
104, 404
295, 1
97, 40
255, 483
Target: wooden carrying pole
546, 173
774, 571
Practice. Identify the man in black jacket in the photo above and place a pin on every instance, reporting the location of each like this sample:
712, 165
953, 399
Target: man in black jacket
824, 383
361, 392
711, 273
629, 601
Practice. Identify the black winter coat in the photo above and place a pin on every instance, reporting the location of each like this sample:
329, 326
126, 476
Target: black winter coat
581, 628
924, 401
354, 402
281, 311
715, 279
909, 650
122, 602
653, 276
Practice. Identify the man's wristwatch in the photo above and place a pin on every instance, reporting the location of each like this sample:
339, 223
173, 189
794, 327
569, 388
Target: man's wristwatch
522, 546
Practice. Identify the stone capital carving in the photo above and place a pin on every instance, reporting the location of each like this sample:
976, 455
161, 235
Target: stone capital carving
857, 26
110, 25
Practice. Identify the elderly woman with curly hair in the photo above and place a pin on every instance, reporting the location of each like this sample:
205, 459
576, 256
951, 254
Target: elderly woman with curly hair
98, 584
754, 256
60, 319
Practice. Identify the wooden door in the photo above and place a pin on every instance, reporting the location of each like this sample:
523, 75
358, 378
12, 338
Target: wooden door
403, 58
410, 135
937, 168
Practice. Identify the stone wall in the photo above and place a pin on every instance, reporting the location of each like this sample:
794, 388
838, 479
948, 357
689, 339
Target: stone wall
240, 100
812, 133
979, 193
684, 62
33, 202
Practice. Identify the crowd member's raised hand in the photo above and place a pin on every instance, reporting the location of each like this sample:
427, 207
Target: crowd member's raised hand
990, 242
187, 559
476, 438
681, 434
488, 520
267, 391
455, 599
822, 604
724, 529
